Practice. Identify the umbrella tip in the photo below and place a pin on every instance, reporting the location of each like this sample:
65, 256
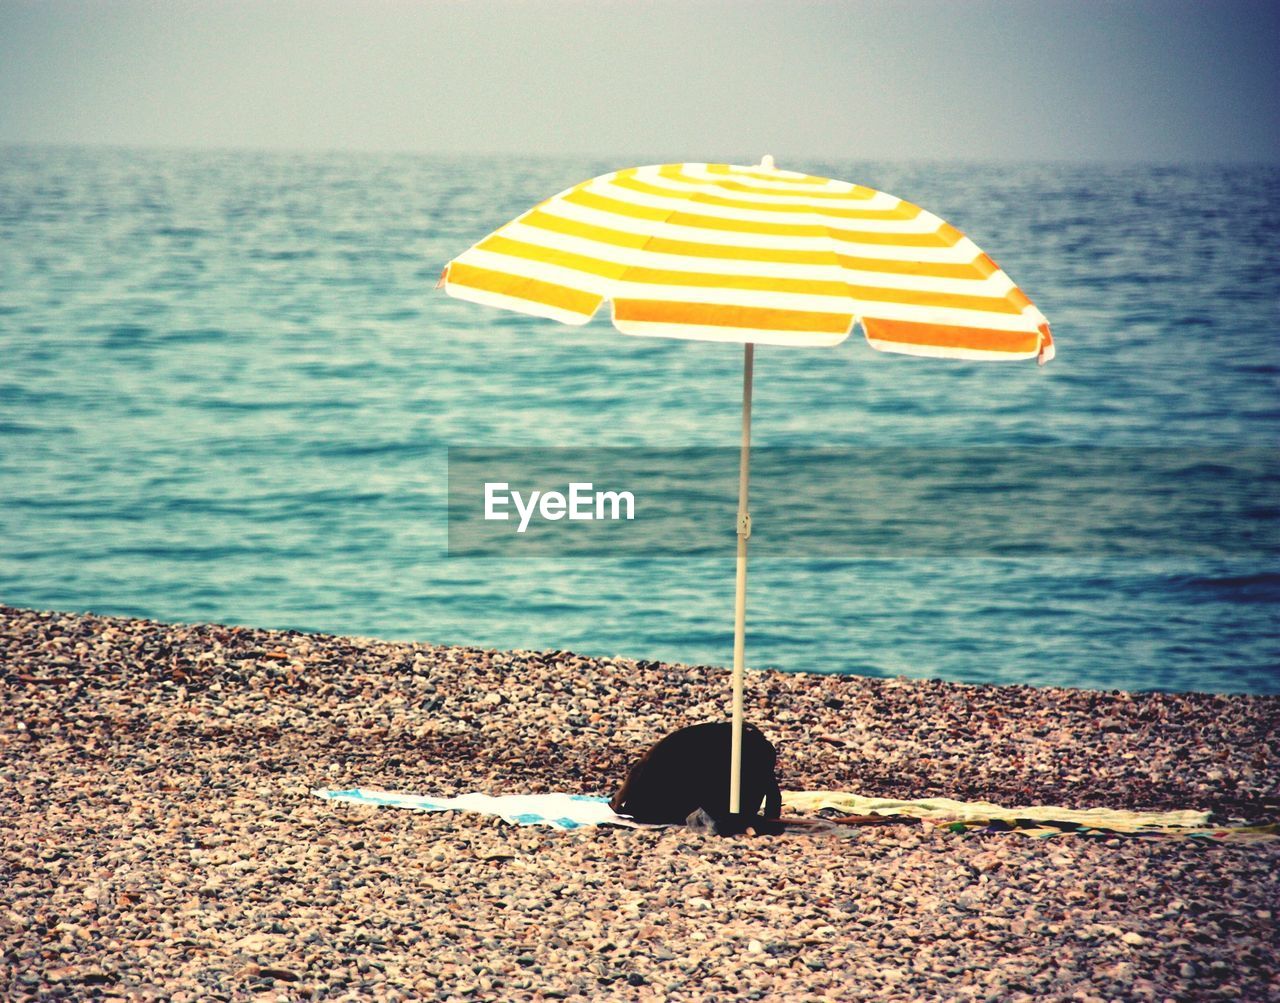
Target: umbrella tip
767, 162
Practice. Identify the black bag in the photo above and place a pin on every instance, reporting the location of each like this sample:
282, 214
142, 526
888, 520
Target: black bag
689, 769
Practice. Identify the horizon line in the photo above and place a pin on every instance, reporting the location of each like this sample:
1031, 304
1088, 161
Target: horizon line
629, 157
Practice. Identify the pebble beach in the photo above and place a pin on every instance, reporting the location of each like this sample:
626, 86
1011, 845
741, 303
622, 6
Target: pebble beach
161, 842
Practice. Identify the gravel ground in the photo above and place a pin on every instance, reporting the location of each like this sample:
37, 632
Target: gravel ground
160, 841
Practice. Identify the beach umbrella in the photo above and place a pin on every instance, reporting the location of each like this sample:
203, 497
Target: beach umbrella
755, 256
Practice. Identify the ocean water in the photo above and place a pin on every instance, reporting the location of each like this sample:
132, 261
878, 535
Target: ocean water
227, 388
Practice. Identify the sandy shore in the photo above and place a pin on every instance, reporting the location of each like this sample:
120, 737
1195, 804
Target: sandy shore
160, 841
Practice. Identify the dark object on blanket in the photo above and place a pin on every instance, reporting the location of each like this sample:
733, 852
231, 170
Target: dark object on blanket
689, 770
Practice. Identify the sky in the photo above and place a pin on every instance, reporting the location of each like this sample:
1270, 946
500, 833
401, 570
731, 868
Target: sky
1147, 80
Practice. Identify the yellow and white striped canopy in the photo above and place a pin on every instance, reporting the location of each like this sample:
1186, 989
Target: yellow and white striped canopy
753, 254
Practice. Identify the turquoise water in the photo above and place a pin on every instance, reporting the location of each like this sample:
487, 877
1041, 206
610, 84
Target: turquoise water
227, 387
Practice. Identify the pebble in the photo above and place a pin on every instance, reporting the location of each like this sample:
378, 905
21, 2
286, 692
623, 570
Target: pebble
161, 840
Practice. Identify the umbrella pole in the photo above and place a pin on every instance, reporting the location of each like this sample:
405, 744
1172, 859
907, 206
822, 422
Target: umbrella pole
740, 599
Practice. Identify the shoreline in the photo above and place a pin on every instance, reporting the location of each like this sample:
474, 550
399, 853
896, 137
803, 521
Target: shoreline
160, 831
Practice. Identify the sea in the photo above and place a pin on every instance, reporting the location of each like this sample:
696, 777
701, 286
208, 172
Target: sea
229, 388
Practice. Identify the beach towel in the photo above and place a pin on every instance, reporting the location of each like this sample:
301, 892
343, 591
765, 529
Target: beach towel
944, 809
576, 811
560, 811
1041, 821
